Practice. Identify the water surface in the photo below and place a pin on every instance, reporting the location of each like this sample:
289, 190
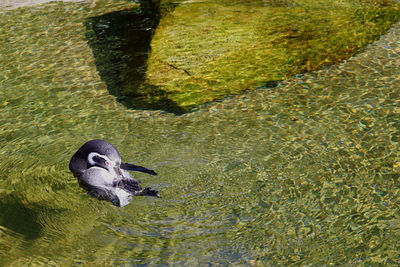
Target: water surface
303, 173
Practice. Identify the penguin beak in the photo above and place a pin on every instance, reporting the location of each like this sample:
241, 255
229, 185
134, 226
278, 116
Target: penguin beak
132, 167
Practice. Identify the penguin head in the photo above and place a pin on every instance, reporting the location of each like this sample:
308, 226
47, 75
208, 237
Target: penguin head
99, 153
95, 153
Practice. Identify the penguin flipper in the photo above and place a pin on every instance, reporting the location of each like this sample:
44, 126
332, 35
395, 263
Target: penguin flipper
133, 167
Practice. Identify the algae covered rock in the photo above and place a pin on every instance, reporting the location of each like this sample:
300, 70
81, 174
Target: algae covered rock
175, 55
205, 50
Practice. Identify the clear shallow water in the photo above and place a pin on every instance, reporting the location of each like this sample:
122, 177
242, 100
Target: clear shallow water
307, 172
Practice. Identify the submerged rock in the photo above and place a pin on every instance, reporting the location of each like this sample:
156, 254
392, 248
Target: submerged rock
206, 50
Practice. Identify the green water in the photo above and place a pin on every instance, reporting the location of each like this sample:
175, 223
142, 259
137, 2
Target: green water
303, 173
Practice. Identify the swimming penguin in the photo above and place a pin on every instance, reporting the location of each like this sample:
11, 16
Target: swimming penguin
97, 165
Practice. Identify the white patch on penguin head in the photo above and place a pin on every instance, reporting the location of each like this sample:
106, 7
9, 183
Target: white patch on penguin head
95, 158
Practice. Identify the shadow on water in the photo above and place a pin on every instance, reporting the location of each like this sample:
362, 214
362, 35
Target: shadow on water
19, 218
120, 42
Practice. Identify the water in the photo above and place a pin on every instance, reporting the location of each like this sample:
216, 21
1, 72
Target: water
303, 173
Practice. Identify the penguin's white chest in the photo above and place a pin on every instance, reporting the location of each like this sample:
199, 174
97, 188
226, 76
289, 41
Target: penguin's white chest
97, 176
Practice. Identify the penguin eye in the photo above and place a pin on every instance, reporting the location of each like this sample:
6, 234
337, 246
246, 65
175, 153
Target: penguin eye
100, 160
95, 159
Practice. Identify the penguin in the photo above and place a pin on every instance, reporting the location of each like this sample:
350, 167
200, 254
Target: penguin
97, 165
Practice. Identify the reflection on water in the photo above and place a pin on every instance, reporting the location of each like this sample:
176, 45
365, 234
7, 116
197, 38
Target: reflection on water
303, 173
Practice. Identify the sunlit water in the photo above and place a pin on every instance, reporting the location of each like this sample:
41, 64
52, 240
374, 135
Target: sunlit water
306, 172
